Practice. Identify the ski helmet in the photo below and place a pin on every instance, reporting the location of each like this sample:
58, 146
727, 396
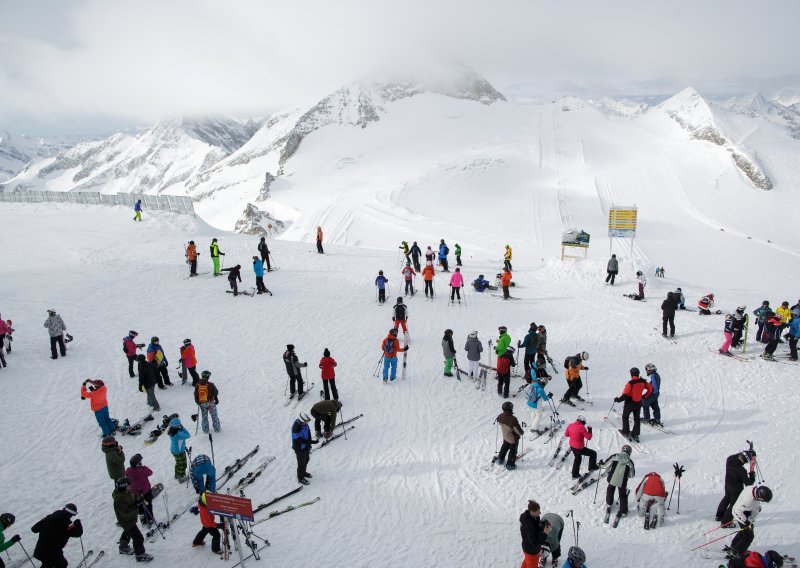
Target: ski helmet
650, 368
741, 308
634, 371
399, 299
51, 311
136, 460
775, 559
763, 493
638, 273
191, 242
627, 449
7, 519
480, 276
576, 556
175, 423
585, 355
502, 329
581, 419
205, 375
122, 482
305, 417
187, 341
473, 335
380, 272
393, 331
154, 339
108, 441
508, 406
448, 332
132, 333
70, 509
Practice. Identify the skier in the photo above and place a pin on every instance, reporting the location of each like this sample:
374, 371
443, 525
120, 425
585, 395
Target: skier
415, 254
772, 334
54, 531
612, 268
429, 255
794, 335
408, 275
234, 275
661, 272
739, 322
97, 395
658, 271
427, 277
474, 348
258, 269
456, 283
263, 250
575, 558
189, 360
126, 512
115, 457
728, 333
458, 254
293, 367
552, 547
380, 282
301, 444
129, 347
139, 475
56, 328
542, 356
215, 254
507, 258
578, 434
531, 344
786, 316
620, 469
680, 299
137, 209
480, 284
535, 532
505, 282
5, 330
391, 347
651, 402
705, 304
177, 447
512, 432
449, 352
206, 396
191, 258
324, 413
209, 525
761, 317
736, 478
6, 520
770, 559
147, 381
320, 250
536, 398
668, 307
406, 250
635, 390
745, 511
503, 341
400, 317
9, 337
156, 356
651, 494
328, 366
574, 365
443, 252
504, 364
204, 474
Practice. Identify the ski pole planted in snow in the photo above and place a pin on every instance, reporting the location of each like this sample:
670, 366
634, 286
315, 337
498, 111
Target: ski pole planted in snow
587, 382
378, 367
211, 441
26, 554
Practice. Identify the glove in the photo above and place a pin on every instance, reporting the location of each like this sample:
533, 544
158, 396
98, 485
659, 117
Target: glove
392, 318
586, 368
194, 510
140, 345
16, 538
77, 524
407, 347
222, 254
125, 351
550, 395
619, 399
305, 364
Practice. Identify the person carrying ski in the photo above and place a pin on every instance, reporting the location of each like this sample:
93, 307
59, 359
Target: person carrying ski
575, 558
449, 352
408, 275
680, 299
324, 413
209, 524
507, 258
668, 308
258, 269
728, 333
380, 282
301, 444
137, 210
204, 474
406, 250
650, 496
320, 250
156, 355
443, 252
97, 395
191, 258
456, 283
474, 349
293, 367
620, 468
215, 254
54, 531
139, 475
480, 284
6, 520
263, 250
578, 434
612, 269
736, 478
745, 512
772, 333
505, 282
739, 323
429, 255
635, 390
328, 366
206, 396
147, 381
761, 318
705, 304
512, 432
56, 328
391, 347
427, 277
534, 531
177, 447
115, 457
458, 254
794, 335
234, 275
530, 343
503, 341
536, 398
751, 559
189, 361
129, 347
651, 402
416, 252
504, 364
574, 365
552, 546
126, 512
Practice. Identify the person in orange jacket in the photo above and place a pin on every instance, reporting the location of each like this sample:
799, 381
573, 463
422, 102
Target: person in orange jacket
391, 347
97, 395
210, 526
328, 366
319, 241
427, 276
189, 362
505, 282
191, 258
635, 390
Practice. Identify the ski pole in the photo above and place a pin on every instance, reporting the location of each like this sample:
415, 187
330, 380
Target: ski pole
211, 441
610, 410
716, 539
578, 533
189, 461
571, 514
26, 554
587, 382
83, 550
496, 427
377, 294
674, 479
166, 506
344, 430
149, 514
717, 528
597, 486
378, 366
197, 421
678, 512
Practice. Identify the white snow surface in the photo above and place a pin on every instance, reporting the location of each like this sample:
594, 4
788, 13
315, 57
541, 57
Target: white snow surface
406, 488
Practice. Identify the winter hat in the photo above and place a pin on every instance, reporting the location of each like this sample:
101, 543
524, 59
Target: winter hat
502, 329
175, 423
448, 332
326, 353
136, 460
108, 441
98, 383
380, 272
122, 482
305, 417
290, 347
51, 312
458, 270
191, 242
71, 509
255, 258
205, 375
7, 519
634, 371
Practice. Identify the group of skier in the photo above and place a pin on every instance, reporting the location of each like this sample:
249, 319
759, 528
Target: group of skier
261, 260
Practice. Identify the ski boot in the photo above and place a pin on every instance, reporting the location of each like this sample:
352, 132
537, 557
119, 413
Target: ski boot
126, 549
511, 466
143, 557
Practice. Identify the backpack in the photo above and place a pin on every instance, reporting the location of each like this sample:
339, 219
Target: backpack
400, 312
202, 393
389, 349
446, 250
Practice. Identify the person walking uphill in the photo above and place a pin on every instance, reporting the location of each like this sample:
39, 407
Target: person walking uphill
97, 395
263, 250
578, 434
456, 283
668, 308
635, 390
177, 447
391, 347
234, 276
328, 366
56, 328
474, 349
215, 254
147, 381
534, 531
189, 361
612, 268
293, 367
206, 396
137, 210
512, 432
54, 532
115, 457
320, 250
129, 347
126, 512
301, 444
449, 352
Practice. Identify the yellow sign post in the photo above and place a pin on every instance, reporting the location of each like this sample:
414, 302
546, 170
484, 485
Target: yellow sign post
621, 224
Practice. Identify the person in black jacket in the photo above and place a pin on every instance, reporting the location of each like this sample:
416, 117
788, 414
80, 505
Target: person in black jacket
416, 252
233, 276
668, 307
147, 381
54, 531
534, 533
263, 249
736, 477
293, 367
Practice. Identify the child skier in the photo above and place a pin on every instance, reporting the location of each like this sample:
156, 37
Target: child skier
427, 276
456, 283
408, 275
380, 282
209, 524
177, 447
449, 352
536, 398
728, 333
651, 402
400, 317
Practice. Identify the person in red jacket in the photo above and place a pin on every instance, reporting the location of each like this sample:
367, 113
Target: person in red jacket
328, 366
635, 390
97, 395
650, 496
504, 364
189, 362
578, 434
210, 526
770, 559
129, 347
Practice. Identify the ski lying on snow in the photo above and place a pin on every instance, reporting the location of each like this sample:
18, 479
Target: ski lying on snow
274, 514
300, 397
282, 497
552, 461
227, 473
332, 438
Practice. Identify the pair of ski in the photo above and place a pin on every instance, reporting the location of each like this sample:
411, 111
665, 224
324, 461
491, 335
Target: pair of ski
251, 476
587, 480
580, 406
226, 474
480, 382
616, 423
657, 427
89, 559
555, 461
299, 397
650, 523
134, 429
607, 517
288, 509
345, 427
550, 431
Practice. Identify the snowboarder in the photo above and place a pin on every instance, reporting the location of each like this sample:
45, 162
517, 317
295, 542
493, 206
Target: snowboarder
680, 299
456, 283
209, 524
189, 361
206, 396
534, 532
635, 390
751, 559
416, 252
126, 512
772, 334
191, 258
736, 478
97, 395
400, 317
668, 308
115, 457
328, 366
578, 434
234, 276
507, 258
293, 367
530, 343
408, 275
728, 333
391, 347
504, 364
474, 349
215, 254
620, 468
512, 432
137, 210
458, 254
505, 282
427, 277
204, 474
147, 381
761, 318
6, 520
258, 269
503, 341
612, 268
480, 284
449, 352
552, 547
177, 447
320, 250
301, 444
129, 347
575, 558
156, 356
705, 304
443, 252
536, 399
650, 496
263, 250
139, 475
745, 512
574, 365
324, 413
739, 323
380, 282
651, 402
54, 531
56, 328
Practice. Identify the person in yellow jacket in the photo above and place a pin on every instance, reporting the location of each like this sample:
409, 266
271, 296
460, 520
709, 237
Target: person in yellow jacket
507, 258
786, 316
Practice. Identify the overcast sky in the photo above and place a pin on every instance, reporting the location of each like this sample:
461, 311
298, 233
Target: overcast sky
71, 66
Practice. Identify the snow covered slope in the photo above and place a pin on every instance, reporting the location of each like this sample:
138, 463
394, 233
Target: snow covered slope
17, 151
406, 488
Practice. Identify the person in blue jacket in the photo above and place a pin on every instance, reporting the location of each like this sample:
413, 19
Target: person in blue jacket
480, 284
794, 335
443, 252
177, 446
380, 282
301, 444
258, 268
204, 475
137, 208
651, 402
536, 399
575, 558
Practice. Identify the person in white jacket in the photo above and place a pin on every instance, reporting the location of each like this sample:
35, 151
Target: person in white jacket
745, 511
642, 283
